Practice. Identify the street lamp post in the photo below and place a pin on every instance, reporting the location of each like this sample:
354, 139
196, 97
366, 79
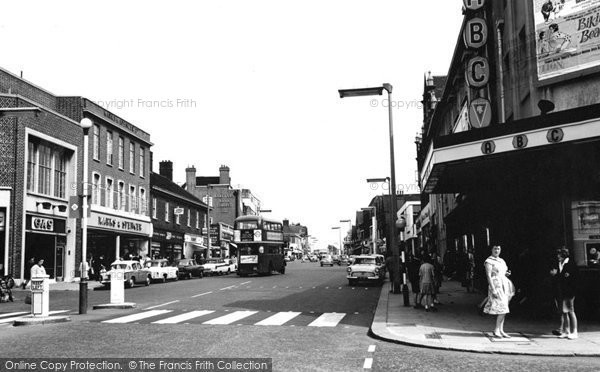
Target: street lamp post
85, 124
339, 229
208, 205
392, 227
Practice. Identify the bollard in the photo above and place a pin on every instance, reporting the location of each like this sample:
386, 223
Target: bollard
83, 286
40, 296
117, 287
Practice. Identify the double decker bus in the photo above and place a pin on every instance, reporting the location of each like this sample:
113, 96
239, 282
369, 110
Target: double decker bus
260, 245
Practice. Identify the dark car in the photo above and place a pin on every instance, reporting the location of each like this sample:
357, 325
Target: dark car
188, 268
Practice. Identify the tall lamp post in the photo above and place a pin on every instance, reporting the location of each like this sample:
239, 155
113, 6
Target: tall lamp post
377, 91
339, 229
208, 205
85, 124
349, 229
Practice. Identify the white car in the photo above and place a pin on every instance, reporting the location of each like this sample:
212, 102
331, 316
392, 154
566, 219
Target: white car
219, 266
369, 268
133, 273
160, 270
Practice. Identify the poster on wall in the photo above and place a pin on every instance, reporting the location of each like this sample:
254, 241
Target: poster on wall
567, 35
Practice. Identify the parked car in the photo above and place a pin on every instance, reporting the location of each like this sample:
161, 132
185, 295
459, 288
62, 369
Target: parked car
219, 266
344, 260
160, 270
327, 260
314, 258
370, 268
336, 260
188, 268
133, 274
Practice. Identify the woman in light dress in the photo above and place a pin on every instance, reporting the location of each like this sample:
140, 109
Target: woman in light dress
500, 290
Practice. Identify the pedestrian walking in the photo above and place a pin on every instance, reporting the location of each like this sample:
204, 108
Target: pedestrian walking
500, 290
438, 275
27, 273
427, 283
413, 276
38, 269
389, 265
565, 280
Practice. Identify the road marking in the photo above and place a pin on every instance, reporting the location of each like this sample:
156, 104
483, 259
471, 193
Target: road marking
231, 286
371, 349
10, 320
139, 316
183, 317
326, 287
230, 318
340, 288
356, 313
327, 320
14, 314
154, 307
368, 363
202, 294
274, 286
279, 318
250, 281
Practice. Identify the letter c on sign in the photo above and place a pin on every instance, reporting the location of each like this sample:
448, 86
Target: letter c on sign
488, 147
555, 135
478, 72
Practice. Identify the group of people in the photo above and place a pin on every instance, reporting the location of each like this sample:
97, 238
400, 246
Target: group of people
425, 276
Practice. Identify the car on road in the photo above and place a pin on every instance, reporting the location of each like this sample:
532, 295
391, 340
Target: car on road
188, 268
314, 258
327, 260
160, 270
369, 268
133, 273
336, 260
344, 260
219, 266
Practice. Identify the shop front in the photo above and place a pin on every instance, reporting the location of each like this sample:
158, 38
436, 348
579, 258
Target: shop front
167, 244
194, 246
46, 238
112, 237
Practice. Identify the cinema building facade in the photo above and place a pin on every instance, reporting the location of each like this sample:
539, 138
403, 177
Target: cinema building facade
510, 149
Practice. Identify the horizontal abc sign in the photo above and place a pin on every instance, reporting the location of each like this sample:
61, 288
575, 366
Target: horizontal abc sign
475, 33
473, 4
478, 72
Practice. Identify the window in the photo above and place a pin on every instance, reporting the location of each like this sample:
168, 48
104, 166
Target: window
143, 201
96, 142
177, 218
166, 211
132, 199
60, 174
142, 162
153, 207
31, 166
122, 197
197, 219
108, 198
44, 169
131, 157
109, 148
121, 152
95, 189
189, 222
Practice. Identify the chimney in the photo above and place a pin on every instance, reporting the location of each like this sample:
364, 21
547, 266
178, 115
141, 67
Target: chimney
165, 169
286, 222
190, 178
224, 178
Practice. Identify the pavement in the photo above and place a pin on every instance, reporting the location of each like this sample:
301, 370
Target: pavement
458, 326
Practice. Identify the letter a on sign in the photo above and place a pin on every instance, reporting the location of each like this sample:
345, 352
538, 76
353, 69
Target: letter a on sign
473, 4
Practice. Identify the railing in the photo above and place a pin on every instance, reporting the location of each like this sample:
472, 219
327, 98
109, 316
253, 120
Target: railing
116, 200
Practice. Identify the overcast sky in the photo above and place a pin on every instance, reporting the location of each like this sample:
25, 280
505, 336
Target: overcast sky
250, 84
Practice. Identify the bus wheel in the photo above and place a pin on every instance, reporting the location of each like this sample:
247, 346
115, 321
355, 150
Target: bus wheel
282, 271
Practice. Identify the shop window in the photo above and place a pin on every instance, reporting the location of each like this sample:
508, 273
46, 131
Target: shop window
121, 152
96, 143
109, 148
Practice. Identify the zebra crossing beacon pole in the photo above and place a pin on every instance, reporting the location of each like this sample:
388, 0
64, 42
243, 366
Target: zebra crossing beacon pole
85, 124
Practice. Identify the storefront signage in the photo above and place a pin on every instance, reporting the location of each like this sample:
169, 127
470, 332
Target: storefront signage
462, 122
555, 135
120, 224
178, 211
475, 33
172, 237
473, 4
567, 35
480, 113
42, 224
2, 220
488, 147
520, 141
478, 72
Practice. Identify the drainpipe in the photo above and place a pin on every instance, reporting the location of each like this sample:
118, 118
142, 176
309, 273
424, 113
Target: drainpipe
499, 30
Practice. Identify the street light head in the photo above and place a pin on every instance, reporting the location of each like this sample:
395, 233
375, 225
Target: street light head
335, 228
86, 123
377, 91
387, 87
375, 180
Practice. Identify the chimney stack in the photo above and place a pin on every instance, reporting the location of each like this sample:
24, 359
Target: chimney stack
165, 169
224, 178
190, 178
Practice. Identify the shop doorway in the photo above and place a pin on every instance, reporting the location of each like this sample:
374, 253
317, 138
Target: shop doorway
51, 248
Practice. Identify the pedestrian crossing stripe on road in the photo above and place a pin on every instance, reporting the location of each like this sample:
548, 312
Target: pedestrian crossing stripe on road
22, 314
278, 319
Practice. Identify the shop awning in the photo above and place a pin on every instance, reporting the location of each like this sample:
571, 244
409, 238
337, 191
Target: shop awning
198, 247
233, 245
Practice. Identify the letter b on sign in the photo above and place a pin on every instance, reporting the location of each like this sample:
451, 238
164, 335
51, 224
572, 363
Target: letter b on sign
475, 33
473, 4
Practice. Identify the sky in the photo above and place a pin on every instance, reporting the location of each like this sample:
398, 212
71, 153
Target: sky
252, 85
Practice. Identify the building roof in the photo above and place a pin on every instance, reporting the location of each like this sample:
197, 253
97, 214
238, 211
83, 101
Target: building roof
165, 184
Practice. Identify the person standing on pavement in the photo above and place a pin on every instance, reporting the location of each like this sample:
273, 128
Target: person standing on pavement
413, 276
389, 265
427, 282
500, 290
27, 272
38, 269
565, 278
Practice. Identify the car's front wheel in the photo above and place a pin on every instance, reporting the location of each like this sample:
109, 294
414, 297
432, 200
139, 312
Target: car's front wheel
352, 282
131, 282
189, 275
148, 280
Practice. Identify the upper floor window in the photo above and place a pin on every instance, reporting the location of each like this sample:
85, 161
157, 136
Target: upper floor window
197, 219
109, 192
121, 152
132, 199
177, 216
96, 142
109, 148
166, 211
142, 162
153, 207
122, 196
46, 168
95, 188
143, 201
189, 218
131, 157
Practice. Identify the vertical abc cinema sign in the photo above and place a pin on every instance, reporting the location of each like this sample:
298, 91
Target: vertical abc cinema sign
477, 73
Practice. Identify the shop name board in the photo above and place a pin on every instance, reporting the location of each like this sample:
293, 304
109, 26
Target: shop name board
42, 224
521, 141
119, 224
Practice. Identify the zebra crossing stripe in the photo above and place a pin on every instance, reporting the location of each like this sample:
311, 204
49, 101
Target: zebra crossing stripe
13, 314
183, 317
230, 318
327, 320
279, 318
139, 316
12, 319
